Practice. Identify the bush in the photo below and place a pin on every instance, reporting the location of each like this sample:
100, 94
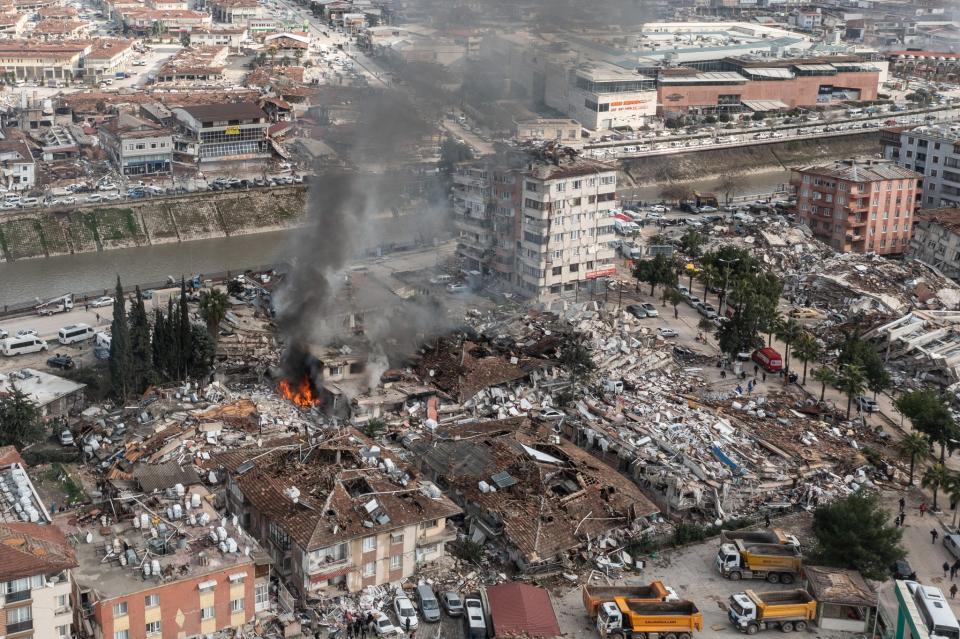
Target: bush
724, 117
686, 533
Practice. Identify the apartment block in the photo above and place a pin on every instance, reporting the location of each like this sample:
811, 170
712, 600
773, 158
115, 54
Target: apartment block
346, 516
566, 227
35, 560
933, 151
239, 12
137, 147
936, 240
486, 204
18, 169
861, 206
225, 132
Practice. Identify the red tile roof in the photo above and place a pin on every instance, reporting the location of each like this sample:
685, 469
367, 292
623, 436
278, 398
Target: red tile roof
31, 549
522, 610
9, 455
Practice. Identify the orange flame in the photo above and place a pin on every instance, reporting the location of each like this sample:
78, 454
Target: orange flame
302, 395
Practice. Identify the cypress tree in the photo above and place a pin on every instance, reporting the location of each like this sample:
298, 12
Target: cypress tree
184, 335
121, 368
159, 344
141, 353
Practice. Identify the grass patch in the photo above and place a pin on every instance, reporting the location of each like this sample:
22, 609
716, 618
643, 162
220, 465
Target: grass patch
58, 474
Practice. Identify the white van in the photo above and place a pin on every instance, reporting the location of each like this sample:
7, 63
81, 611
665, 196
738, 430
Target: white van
20, 345
75, 333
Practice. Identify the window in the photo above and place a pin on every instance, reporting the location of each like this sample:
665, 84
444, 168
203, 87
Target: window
557, 270
151, 601
120, 609
121, 634
63, 601
63, 632
396, 562
369, 543
153, 628
369, 569
261, 593
236, 605
208, 613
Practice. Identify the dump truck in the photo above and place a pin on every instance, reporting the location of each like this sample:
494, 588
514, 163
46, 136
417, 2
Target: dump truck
775, 536
786, 610
625, 619
777, 563
593, 596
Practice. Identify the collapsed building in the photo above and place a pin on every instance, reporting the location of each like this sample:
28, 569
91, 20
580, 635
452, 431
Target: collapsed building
922, 344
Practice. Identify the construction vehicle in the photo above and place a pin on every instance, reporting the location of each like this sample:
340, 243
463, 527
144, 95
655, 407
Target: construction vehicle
60, 304
775, 536
787, 610
777, 563
625, 619
593, 596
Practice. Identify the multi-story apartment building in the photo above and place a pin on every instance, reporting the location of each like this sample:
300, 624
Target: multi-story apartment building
235, 11
137, 147
344, 517
933, 151
861, 206
936, 240
107, 56
35, 560
18, 170
566, 227
225, 132
486, 204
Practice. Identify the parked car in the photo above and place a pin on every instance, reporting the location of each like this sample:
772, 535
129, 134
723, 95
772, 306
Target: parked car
650, 309
26, 332
551, 413
63, 362
457, 287
405, 613
951, 542
66, 438
101, 301
637, 311
902, 570
452, 603
382, 624
867, 405
668, 332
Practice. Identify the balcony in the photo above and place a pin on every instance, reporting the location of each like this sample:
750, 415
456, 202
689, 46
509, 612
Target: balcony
20, 626
20, 595
854, 237
855, 222
324, 566
447, 533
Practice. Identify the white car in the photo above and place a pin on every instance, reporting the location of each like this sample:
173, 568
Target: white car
383, 625
668, 332
658, 208
26, 332
107, 186
650, 309
405, 611
101, 301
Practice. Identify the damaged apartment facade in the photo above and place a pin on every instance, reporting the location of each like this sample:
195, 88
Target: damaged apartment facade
339, 515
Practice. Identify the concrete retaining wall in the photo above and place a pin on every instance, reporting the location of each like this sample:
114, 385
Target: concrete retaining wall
106, 226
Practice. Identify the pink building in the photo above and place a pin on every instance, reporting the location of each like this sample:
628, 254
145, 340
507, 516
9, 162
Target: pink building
859, 206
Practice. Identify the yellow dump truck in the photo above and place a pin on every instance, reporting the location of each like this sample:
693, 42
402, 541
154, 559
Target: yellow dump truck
775, 536
786, 610
594, 596
626, 619
777, 563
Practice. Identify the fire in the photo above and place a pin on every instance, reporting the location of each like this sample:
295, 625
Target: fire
302, 394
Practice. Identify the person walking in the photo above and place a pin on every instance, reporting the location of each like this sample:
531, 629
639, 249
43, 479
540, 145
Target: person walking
357, 627
903, 504
922, 508
933, 536
953, 591
766, 519
946, 568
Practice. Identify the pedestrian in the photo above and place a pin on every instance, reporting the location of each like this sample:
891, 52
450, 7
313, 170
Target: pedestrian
898, 520
766, 519
933, 536
953, 591
903, 504
97, 315
406, 624
764, 375
756, 369
723, 374
922, 508
357, 627
946, 568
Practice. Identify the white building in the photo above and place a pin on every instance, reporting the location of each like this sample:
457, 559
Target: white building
35, 560
601, 95
566, 227
933, 151
17, 167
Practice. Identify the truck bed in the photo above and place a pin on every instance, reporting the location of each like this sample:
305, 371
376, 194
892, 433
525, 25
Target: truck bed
749, 536
784, 597
657, 608
778, 550
593, 596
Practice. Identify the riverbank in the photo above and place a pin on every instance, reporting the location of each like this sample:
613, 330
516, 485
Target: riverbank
713, 164
44, 233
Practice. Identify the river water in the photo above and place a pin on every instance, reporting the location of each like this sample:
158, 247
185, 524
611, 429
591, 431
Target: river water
749, 184
26, 280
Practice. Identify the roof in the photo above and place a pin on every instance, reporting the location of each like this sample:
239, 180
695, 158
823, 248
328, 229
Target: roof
163, 476
764, 105
32, 549
861, 170
10, 455
234, 111
579, 166
701, 78
839, 586
947, 218
42, 387
522, 610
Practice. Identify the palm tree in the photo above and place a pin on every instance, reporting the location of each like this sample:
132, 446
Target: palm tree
674, 297
788, 333
851, 381
773, 325
915, 446
953, 493
807, 350
708, 275
825, 376
213, 308
934, 478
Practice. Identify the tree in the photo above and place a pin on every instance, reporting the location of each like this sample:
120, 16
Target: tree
202, 351
674, 297
852, 532
20, 417
788, 333
807, 349
934, 478
930, 415
121, 362
183, 332
691, 241
235, 287
141, 351
953, 494
851, 380
213, 308
374, 428
575, 357
915, 446
674, 192
825, 376
730, 181
185, 39
655, 272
